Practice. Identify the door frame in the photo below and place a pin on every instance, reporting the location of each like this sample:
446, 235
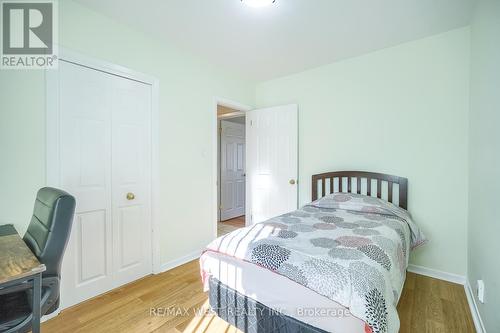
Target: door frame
215, 133
53, 172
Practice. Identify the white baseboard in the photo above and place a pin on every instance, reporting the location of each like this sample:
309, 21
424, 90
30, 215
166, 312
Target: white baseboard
434, 273
476, 317
179, 261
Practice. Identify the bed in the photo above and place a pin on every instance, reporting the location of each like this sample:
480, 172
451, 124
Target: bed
337, 264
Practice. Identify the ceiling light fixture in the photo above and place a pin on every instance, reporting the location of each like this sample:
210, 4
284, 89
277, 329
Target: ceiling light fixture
258, 3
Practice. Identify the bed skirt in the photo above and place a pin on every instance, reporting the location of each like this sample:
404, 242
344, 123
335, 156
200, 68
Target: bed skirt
251, 316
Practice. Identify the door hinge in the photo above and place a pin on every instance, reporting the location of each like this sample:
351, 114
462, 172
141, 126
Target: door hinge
220, 207
220, 130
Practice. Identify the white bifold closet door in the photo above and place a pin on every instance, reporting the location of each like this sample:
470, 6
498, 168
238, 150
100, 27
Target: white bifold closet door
272, 161
105, 162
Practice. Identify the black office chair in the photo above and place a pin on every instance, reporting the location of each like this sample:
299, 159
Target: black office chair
47, 236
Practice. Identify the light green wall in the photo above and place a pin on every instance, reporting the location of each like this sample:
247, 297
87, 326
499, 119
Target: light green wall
411, 99
187, 89
484, 160
22, 143
403, 111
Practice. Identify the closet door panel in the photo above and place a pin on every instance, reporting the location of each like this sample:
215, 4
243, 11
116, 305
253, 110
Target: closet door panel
85, 164
131, 138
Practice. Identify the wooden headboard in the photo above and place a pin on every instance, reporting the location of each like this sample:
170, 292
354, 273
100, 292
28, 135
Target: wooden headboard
346, 181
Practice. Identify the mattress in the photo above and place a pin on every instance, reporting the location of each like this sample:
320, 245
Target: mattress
279, 294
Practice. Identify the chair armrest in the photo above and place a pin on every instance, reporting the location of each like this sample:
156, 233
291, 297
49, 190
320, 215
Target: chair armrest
23, 286
7, 229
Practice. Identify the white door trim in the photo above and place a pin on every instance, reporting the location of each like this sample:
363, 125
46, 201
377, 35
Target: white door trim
53, 171
215, 132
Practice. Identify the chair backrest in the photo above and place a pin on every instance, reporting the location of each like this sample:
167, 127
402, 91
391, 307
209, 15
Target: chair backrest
50, 226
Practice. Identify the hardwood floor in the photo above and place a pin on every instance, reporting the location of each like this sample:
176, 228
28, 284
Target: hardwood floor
151, 305
226, 227
238, 222
431, 305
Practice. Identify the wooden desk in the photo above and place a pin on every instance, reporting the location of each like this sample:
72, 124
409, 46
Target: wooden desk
19, 265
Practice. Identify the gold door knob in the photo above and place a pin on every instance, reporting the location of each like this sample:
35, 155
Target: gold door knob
292, 181
130, 196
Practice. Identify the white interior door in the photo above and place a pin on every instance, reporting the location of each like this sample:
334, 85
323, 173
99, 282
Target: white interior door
272, 161
131, 179
85, 144
232, 169
105, 153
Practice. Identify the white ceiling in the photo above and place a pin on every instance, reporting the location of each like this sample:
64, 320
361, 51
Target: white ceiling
289, 36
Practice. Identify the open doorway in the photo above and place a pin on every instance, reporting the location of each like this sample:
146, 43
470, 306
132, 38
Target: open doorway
231, 169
